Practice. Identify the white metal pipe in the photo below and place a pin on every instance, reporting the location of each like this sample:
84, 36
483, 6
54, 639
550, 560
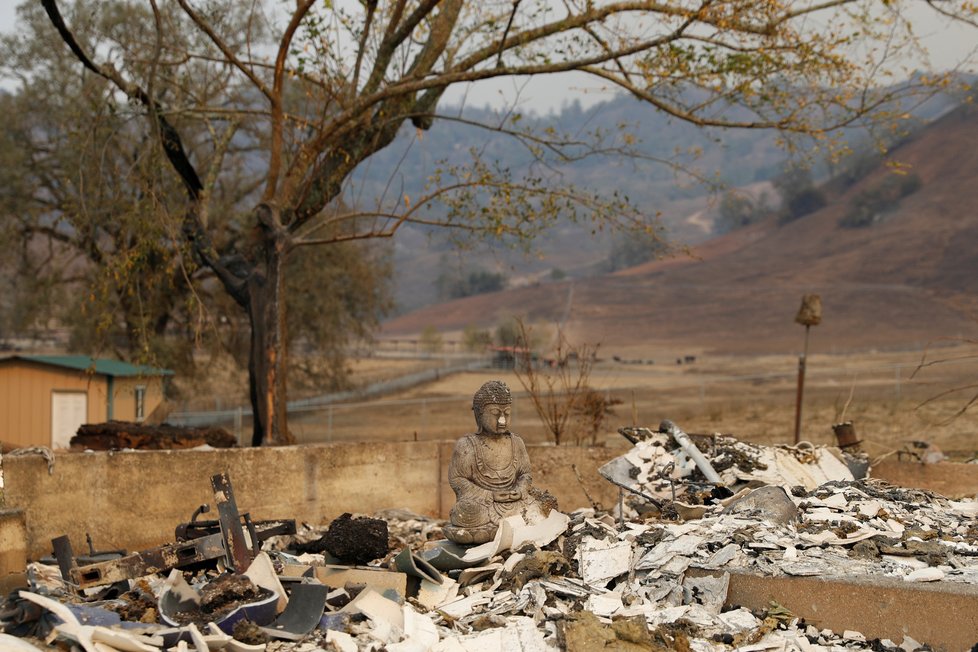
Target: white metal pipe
687, 445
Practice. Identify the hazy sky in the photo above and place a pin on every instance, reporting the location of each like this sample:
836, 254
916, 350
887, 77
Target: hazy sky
948, 46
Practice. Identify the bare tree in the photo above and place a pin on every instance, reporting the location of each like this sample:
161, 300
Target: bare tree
557, 383
341, 79
592, 412
964, 394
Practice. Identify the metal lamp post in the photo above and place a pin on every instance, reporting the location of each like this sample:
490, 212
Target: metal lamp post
810, 314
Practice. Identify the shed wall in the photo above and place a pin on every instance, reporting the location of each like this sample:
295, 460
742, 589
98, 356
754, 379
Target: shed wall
124, 396
25, 400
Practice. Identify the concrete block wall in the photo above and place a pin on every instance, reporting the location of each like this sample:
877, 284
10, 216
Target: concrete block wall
133, 500
13, 541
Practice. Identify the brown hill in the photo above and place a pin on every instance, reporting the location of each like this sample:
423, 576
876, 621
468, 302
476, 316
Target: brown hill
909, 279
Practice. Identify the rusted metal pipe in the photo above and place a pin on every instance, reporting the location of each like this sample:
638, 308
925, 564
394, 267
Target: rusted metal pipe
810, 314
801, 386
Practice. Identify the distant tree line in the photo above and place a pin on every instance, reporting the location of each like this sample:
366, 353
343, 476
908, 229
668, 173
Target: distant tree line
478, 281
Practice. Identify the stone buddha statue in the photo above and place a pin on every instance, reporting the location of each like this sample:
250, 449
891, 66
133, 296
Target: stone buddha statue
490, 473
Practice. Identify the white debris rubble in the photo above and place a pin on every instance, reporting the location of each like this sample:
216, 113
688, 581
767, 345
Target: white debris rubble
590, 578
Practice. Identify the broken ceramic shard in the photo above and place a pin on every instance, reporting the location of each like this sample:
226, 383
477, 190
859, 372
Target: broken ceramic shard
490, 473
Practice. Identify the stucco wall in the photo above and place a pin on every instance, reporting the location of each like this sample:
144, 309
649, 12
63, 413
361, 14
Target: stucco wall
134, 500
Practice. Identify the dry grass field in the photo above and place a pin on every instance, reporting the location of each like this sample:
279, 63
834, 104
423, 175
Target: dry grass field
889, 399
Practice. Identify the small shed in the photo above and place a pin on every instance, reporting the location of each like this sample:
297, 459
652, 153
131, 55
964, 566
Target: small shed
44, 398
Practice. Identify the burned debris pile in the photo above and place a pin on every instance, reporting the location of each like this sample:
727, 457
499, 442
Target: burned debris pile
660, 572
121, 435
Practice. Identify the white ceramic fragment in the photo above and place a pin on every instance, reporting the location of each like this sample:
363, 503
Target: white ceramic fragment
126, 641
237, 646
15, 644
514, 532
738, 620
520, 635
262, 573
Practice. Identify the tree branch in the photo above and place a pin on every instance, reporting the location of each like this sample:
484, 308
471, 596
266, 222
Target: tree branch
223, 47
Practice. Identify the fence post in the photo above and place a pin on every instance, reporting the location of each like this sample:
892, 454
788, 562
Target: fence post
237, 424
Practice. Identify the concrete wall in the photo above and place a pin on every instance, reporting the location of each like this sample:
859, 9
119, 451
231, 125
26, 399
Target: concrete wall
13, 542
133, 500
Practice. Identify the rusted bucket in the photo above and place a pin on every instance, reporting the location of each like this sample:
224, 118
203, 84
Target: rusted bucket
845, 434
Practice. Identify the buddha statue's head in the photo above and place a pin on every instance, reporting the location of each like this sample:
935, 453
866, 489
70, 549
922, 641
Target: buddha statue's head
491, 405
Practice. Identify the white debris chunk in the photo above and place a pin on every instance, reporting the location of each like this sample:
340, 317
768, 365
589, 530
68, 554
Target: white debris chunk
709, 591
431, 595
869, 508
723, 556
519, 635
930, 574
464, 606
420, 633
600, 560
967, 508
342, 641
604, 604
386, 615
14, 644
514, 532
738, 620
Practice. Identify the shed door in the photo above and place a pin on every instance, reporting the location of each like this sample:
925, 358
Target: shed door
68, 411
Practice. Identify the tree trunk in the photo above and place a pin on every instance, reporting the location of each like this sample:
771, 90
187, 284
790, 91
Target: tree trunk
268, 357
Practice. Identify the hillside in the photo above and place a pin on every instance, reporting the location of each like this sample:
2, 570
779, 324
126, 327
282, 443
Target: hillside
737, 157
907, 279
